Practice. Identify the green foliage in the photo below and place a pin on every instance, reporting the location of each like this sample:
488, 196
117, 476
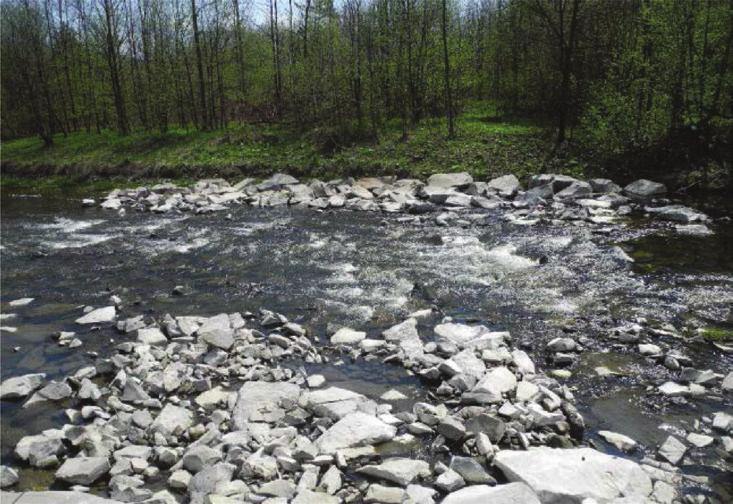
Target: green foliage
487, 146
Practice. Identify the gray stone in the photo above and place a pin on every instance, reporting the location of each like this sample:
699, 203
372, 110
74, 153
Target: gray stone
53, 391
19, 387
571, 475
643, 189
347, 336
620, 441
451, 428
449, 481
506, 185
172, 420
261, 401
151, 336
217, 332
577, 189
601, 185
83, 470
471, 470
384, 494
699, 440
420, 494
512, 493
200, 456
355, 429
206, 481
8, 476
278, 488
53, 497
561, 345
493, 427
306, 496
401, 471
99, 316
496, 382
447, 180
672, 450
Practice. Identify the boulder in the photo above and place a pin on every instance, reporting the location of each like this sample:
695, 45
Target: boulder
672, 450
261, 401
151, 336
347, 336
19, 387
306, 496
572, 475
643, 189
577, 189
217, 332
506, 185
471, 470
53, 391
601, 185
447, 180
55, 497
496, 382
8, 476
172, 420
355, 429
512, 493
83, 470
99, 316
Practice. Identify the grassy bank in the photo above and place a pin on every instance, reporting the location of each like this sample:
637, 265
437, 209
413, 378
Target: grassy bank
485, 146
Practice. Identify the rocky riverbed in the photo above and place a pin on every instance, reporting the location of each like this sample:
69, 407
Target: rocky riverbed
372, 340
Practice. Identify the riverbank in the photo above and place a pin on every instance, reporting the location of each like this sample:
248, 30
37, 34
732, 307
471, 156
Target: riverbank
486, 146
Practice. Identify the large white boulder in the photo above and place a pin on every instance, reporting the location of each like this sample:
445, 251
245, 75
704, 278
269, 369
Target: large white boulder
512, 493
355, 429
572, 475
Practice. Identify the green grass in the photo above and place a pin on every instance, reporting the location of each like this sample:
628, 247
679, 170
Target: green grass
485, 146
718, 334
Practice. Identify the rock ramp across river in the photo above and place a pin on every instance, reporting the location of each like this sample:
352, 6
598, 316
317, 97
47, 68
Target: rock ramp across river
210, 409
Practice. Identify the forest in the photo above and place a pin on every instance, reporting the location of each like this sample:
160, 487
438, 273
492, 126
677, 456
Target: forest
623, 82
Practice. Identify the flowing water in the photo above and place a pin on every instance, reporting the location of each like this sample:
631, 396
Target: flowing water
368, 271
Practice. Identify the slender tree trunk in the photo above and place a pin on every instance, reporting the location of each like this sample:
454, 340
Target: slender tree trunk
199, 67
446, 73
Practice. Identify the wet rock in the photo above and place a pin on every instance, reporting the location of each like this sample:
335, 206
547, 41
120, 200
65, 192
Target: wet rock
562, 345
83, 470
347, 336
672, 450
620, 441
99, 316
649, 349
355, 429
19, 387
8, 476
722, 421
673, 389
53, 391
571, 475
644, 189
316, 381
15, 303
401, 471
512, 493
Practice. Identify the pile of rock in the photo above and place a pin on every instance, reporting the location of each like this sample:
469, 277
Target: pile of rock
205, 407
547, 196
